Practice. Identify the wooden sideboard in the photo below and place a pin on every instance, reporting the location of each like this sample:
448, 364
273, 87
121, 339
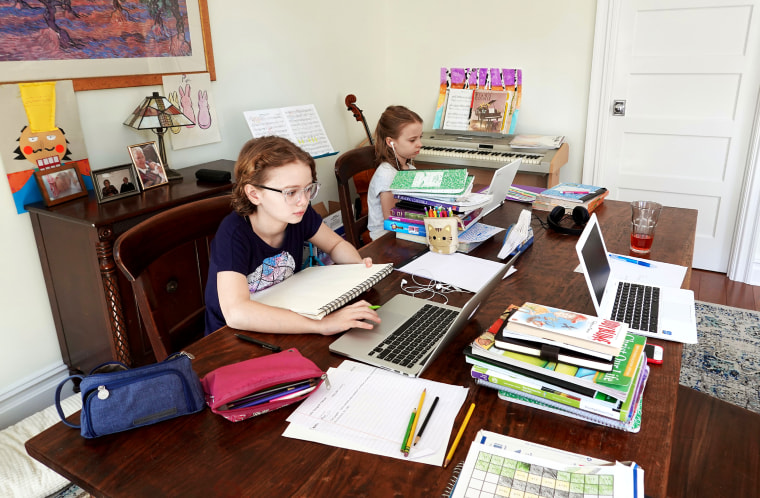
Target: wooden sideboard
93, 307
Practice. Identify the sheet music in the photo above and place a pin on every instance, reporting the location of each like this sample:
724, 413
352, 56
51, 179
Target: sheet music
299, 124
457, 115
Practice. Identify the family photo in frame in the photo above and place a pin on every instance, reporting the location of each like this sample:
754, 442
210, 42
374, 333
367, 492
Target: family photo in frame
147, 163
115, 183
60, 184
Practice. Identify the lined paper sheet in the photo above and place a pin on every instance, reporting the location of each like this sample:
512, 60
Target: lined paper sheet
367, 409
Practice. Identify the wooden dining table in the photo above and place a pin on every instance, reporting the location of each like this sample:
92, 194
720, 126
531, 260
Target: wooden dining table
205, 455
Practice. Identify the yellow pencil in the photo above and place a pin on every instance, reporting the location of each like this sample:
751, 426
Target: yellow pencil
459, 436
414, 424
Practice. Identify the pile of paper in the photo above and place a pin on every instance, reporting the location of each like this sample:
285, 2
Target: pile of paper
367, 409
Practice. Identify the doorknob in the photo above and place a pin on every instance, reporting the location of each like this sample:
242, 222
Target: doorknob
618, 108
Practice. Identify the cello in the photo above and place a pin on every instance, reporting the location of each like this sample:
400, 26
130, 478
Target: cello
361, 179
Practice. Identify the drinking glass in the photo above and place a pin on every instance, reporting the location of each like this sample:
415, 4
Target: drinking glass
644, 217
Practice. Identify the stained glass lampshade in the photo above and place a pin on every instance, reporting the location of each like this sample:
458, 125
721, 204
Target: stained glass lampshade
158, 114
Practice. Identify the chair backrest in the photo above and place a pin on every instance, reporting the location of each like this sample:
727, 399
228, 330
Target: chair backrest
166, 257
358, 164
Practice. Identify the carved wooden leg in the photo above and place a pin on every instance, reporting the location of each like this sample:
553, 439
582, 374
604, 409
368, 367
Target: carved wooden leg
120, 344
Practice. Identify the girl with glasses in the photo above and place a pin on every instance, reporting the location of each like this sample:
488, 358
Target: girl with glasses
261, 244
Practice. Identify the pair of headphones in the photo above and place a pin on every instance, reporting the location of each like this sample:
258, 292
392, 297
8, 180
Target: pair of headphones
580, 218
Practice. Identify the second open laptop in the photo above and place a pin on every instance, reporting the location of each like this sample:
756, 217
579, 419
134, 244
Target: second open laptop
413, 331
671, 315
500, 183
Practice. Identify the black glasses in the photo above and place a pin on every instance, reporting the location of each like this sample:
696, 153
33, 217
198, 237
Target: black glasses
293, 195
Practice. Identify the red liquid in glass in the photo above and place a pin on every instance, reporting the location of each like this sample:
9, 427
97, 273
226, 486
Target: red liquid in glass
641, 242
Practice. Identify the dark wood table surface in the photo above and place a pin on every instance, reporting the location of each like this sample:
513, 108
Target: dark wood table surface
205, 455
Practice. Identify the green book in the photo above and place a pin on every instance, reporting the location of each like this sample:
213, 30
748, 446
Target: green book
431, 181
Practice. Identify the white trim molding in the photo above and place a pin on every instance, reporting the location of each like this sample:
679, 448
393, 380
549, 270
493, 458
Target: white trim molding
33, 394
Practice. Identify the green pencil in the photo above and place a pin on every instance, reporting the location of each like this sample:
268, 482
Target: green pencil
408, 430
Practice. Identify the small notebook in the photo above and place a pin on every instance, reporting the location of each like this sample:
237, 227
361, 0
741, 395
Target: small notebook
318, 290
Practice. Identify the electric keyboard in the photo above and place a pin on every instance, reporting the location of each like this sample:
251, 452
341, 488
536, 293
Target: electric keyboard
478, 151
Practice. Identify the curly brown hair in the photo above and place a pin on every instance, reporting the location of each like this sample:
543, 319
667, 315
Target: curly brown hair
256, 157
390, 123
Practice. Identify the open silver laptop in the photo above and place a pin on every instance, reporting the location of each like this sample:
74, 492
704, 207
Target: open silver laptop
397, 344
673, 318
500, 182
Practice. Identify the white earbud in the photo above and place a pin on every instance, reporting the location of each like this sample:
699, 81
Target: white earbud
393, 146
403, 282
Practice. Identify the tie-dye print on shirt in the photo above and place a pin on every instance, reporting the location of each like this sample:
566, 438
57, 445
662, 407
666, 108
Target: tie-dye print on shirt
272, 271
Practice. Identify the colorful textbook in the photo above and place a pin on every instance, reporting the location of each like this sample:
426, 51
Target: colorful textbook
569, 327
616, 383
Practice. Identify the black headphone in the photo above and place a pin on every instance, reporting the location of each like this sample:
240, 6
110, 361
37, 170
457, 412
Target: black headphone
580, 218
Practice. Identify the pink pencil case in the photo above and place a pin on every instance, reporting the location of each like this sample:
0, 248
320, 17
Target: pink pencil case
254, 387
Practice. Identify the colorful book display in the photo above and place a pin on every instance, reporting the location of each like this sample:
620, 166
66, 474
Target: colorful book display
483, 100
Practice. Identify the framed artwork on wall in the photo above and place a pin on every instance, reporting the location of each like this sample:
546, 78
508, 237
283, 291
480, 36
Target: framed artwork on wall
106, 43
116, 182
60, 184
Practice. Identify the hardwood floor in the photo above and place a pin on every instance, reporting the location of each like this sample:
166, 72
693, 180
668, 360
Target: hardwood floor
716, 288
714, 452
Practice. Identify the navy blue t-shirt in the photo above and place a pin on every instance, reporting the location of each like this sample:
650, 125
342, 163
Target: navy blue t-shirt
236, 247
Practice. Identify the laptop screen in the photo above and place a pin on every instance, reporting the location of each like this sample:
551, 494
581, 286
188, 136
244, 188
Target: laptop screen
500, 184
595, 259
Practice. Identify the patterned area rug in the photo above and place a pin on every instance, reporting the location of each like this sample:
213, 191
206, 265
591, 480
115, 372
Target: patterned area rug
726, 361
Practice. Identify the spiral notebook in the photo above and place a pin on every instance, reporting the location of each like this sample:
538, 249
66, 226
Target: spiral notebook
318, 290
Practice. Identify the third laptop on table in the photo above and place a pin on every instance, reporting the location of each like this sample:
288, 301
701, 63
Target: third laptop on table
662, 312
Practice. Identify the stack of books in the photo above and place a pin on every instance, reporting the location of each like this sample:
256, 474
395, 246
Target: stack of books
564, 362
570, 195
432, 193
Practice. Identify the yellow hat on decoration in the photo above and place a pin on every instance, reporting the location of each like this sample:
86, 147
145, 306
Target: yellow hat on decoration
39, 104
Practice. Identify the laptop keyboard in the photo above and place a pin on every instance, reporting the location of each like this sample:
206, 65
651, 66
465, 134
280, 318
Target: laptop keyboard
407, 344
637, 305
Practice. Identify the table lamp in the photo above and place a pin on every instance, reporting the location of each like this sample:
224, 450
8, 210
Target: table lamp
157, 113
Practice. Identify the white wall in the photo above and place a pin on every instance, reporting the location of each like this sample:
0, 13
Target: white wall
274, 54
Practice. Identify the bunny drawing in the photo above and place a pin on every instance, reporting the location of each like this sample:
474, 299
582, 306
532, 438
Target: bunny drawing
204, 116
186, 104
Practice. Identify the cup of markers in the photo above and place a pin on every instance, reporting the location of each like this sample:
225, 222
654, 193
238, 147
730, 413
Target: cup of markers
442, 232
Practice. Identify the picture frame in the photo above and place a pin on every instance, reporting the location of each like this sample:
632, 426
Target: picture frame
60, 184
115, 183
116, 72
148, 165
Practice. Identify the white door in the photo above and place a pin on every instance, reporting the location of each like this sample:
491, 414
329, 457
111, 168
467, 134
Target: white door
688, 73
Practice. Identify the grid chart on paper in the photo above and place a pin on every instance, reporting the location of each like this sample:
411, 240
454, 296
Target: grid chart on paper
496, 476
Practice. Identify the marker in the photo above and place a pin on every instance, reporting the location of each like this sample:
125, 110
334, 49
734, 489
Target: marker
631, 260
263, 344
374, 307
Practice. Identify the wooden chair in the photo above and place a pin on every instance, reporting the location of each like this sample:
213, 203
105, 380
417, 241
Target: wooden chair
359, 165
166, 257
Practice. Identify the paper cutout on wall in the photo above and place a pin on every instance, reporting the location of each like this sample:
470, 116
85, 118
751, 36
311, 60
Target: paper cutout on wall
191, 93
50, 108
